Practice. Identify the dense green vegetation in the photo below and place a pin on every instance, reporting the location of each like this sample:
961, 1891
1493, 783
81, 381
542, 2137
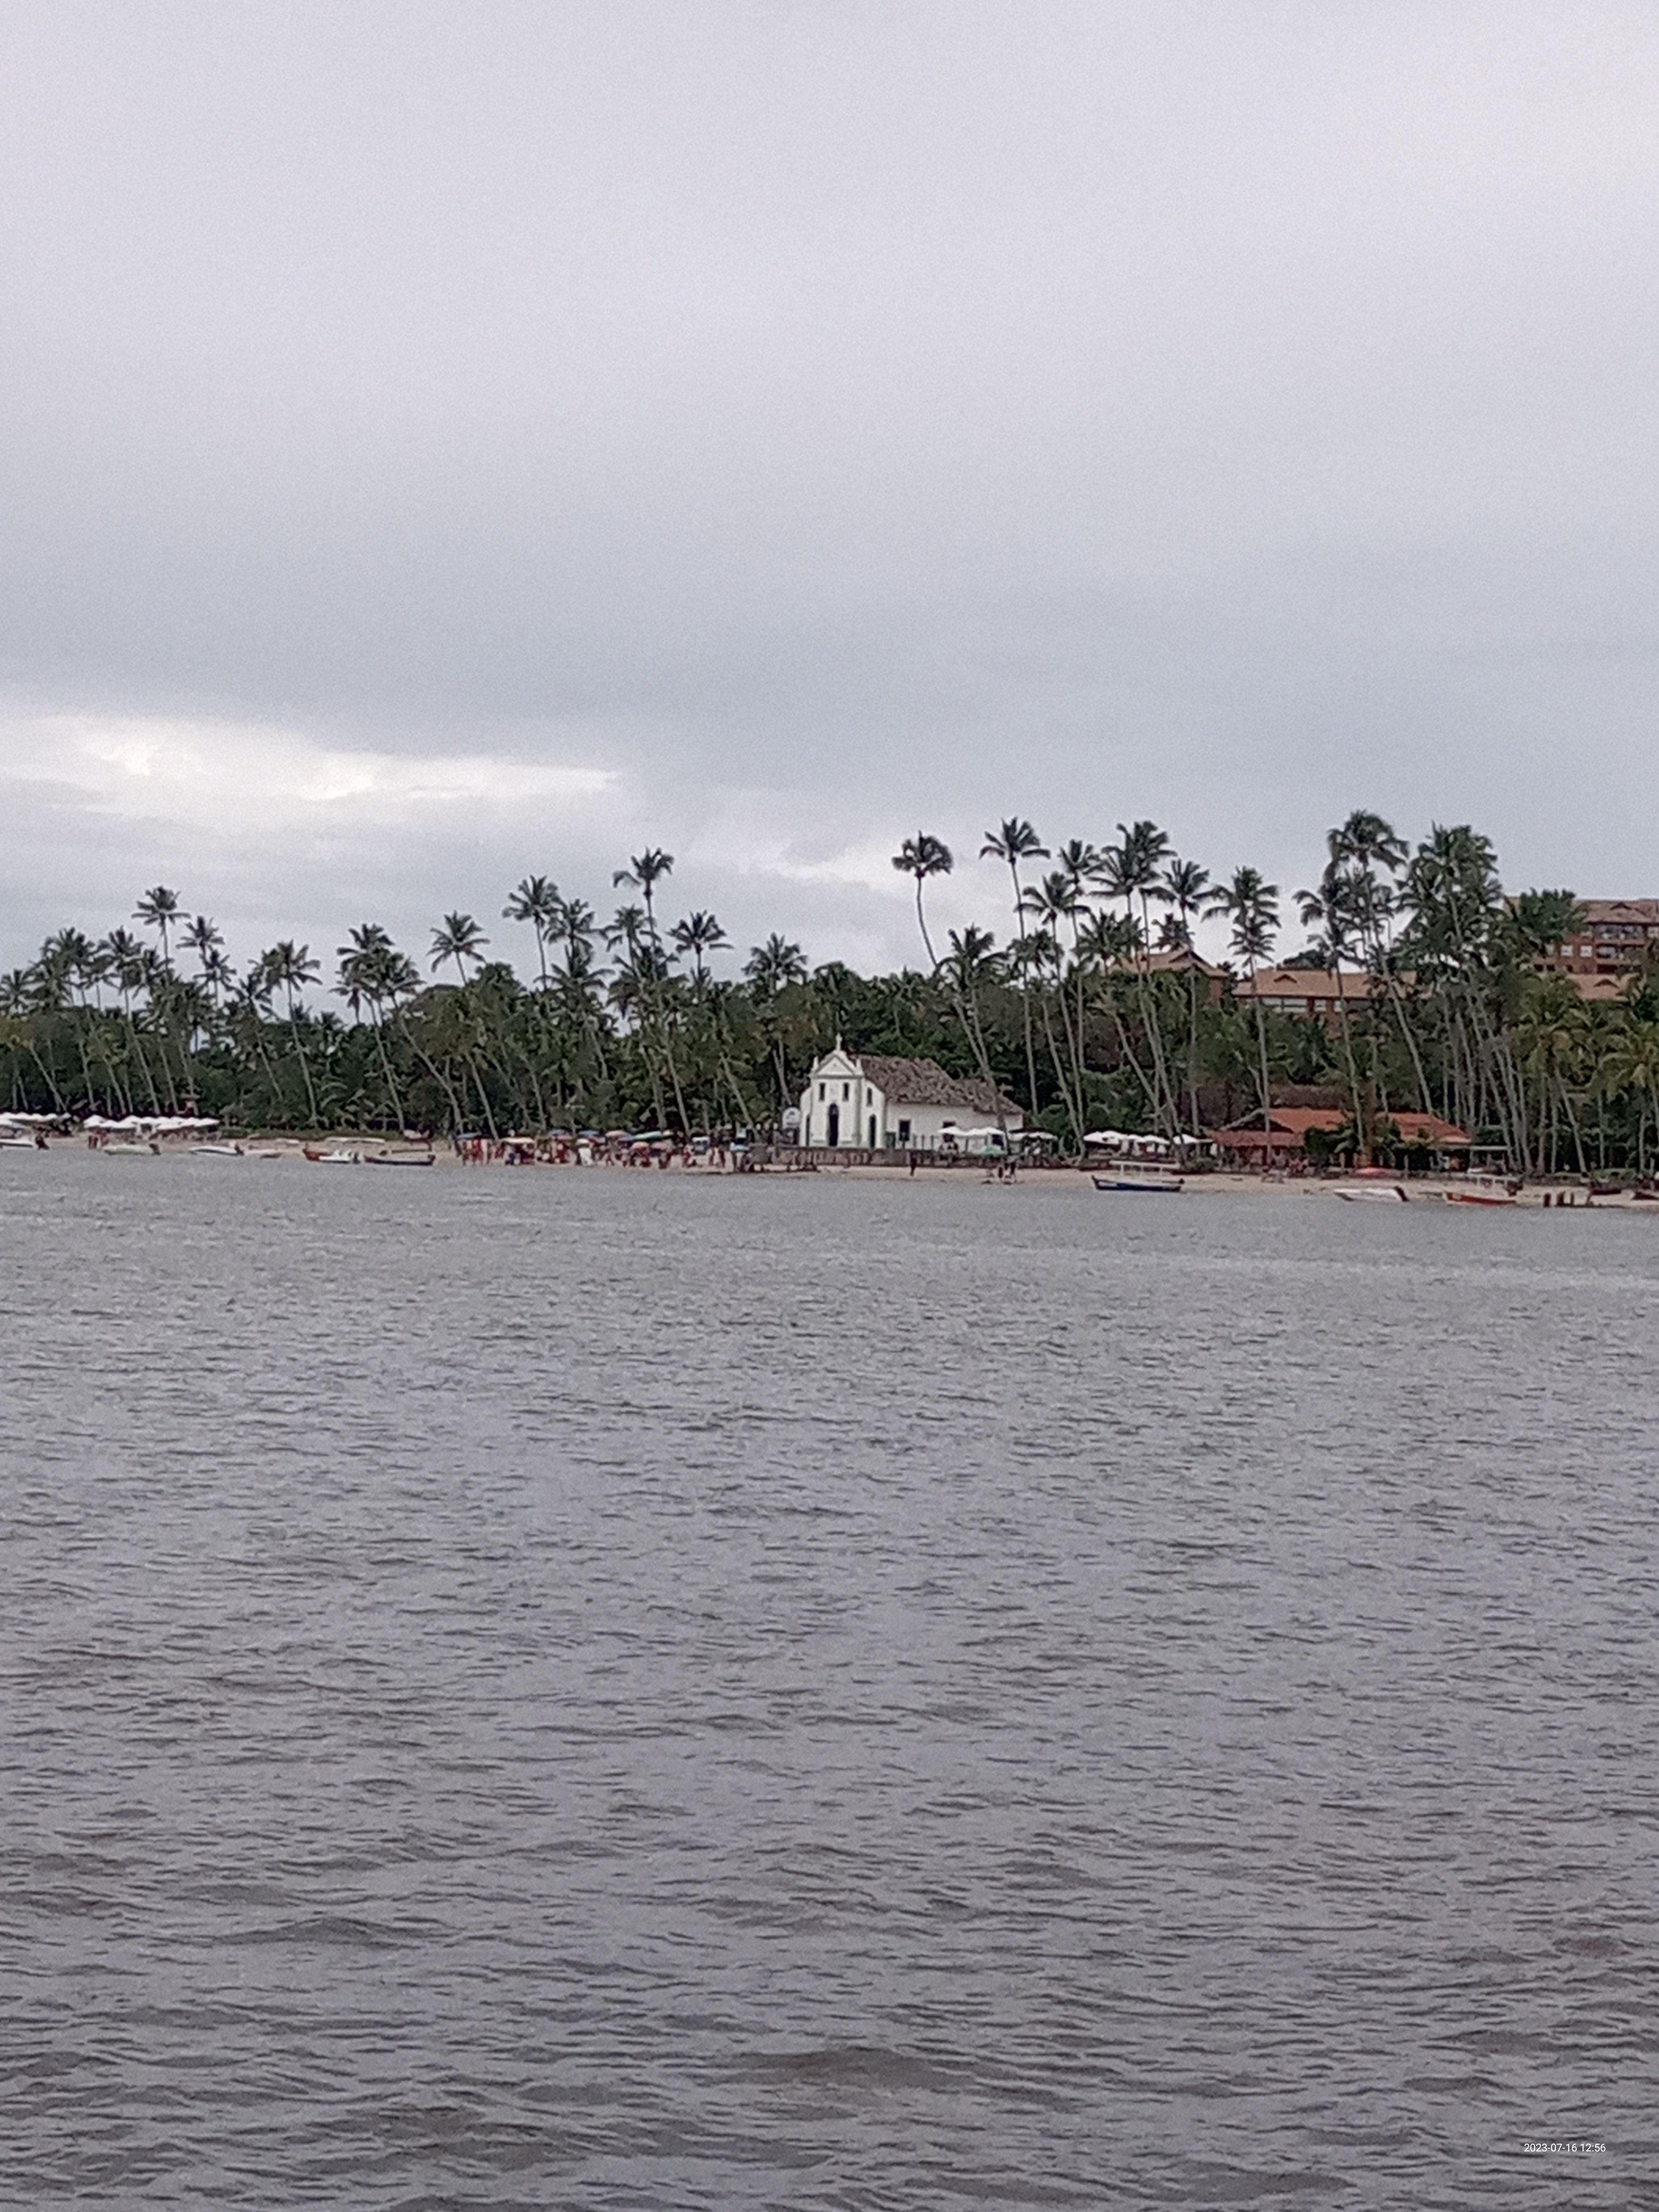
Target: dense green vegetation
626, 1024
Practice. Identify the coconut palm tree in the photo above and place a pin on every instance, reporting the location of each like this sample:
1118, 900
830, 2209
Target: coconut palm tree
644, 871
367, 977
922, 856
1015, 841
460, 939
770, 970
972, 964
203, 937
1335, 909
1551, 1039
1453, 943
770, 967
536, 900
1251, 904
125, 956
1632, 1063
634, 990
1133, 870
158, 909
289, 968
1185, 885
698, 934
1053, 901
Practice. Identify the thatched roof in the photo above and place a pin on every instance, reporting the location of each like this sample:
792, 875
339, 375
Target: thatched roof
924, 1083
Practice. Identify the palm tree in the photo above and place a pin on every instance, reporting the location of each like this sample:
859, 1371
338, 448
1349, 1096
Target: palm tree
1054, 900
633, 988
1452, 894
698, 934
1333, 909
536, 900
1133, 870
368, 977
1251, 905
203, 936
1106, 945
771, 969
158, 909
644, 871
1551, 1040
289, 968
773, 965
1185, 886
1016, 841
1632, 1063
972, 963
579, 985
460, 939
1083, 865
125, 956
923, 856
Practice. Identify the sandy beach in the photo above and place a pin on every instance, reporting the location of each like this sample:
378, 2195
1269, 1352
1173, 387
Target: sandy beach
1072, 1182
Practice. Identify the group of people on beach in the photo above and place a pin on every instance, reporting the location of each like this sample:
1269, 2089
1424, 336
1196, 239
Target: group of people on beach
614, 1150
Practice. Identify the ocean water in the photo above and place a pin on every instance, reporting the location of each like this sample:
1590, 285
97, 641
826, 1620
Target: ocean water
608, 1690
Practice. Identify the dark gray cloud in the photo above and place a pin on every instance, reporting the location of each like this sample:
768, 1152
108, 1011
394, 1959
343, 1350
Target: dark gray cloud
810, 422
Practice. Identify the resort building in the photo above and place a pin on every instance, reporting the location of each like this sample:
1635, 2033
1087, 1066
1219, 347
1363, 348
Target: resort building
1308, 994
1617, 935
1602, 990
1211, 981
1284, 1138
876, 1103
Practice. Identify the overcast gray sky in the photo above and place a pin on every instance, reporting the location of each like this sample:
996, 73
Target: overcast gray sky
445, 443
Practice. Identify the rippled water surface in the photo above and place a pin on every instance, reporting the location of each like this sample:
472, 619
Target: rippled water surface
600, 1690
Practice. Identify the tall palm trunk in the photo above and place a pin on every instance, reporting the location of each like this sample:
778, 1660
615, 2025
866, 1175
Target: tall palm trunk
1362, 1135
386, 1062
1024, 992
1070, 1085
297, 1044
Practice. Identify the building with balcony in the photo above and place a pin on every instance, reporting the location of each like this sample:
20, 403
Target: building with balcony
1618, 936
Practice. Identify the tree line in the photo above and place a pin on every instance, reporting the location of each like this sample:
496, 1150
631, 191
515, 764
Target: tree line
1089, 1011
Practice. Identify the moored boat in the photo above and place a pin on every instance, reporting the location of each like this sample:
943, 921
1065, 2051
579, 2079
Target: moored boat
400, 1159
1145, 1176
1483, 1190
1371, 1193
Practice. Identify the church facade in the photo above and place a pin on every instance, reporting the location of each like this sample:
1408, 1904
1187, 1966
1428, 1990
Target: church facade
873, 1102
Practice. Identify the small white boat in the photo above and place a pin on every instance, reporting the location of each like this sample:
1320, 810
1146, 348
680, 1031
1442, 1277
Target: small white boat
319, 1159
22, 1145
1371, 1193
150, 1150
218, 1152
1145, 1176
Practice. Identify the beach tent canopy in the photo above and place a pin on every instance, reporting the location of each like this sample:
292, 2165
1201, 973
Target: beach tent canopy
153, 1125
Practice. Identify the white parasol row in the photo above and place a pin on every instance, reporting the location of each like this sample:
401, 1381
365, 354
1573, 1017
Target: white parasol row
153, 1125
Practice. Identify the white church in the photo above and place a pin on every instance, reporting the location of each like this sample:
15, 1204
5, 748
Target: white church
875, 1102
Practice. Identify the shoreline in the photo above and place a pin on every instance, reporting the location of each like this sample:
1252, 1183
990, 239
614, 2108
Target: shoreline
1562, 1194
